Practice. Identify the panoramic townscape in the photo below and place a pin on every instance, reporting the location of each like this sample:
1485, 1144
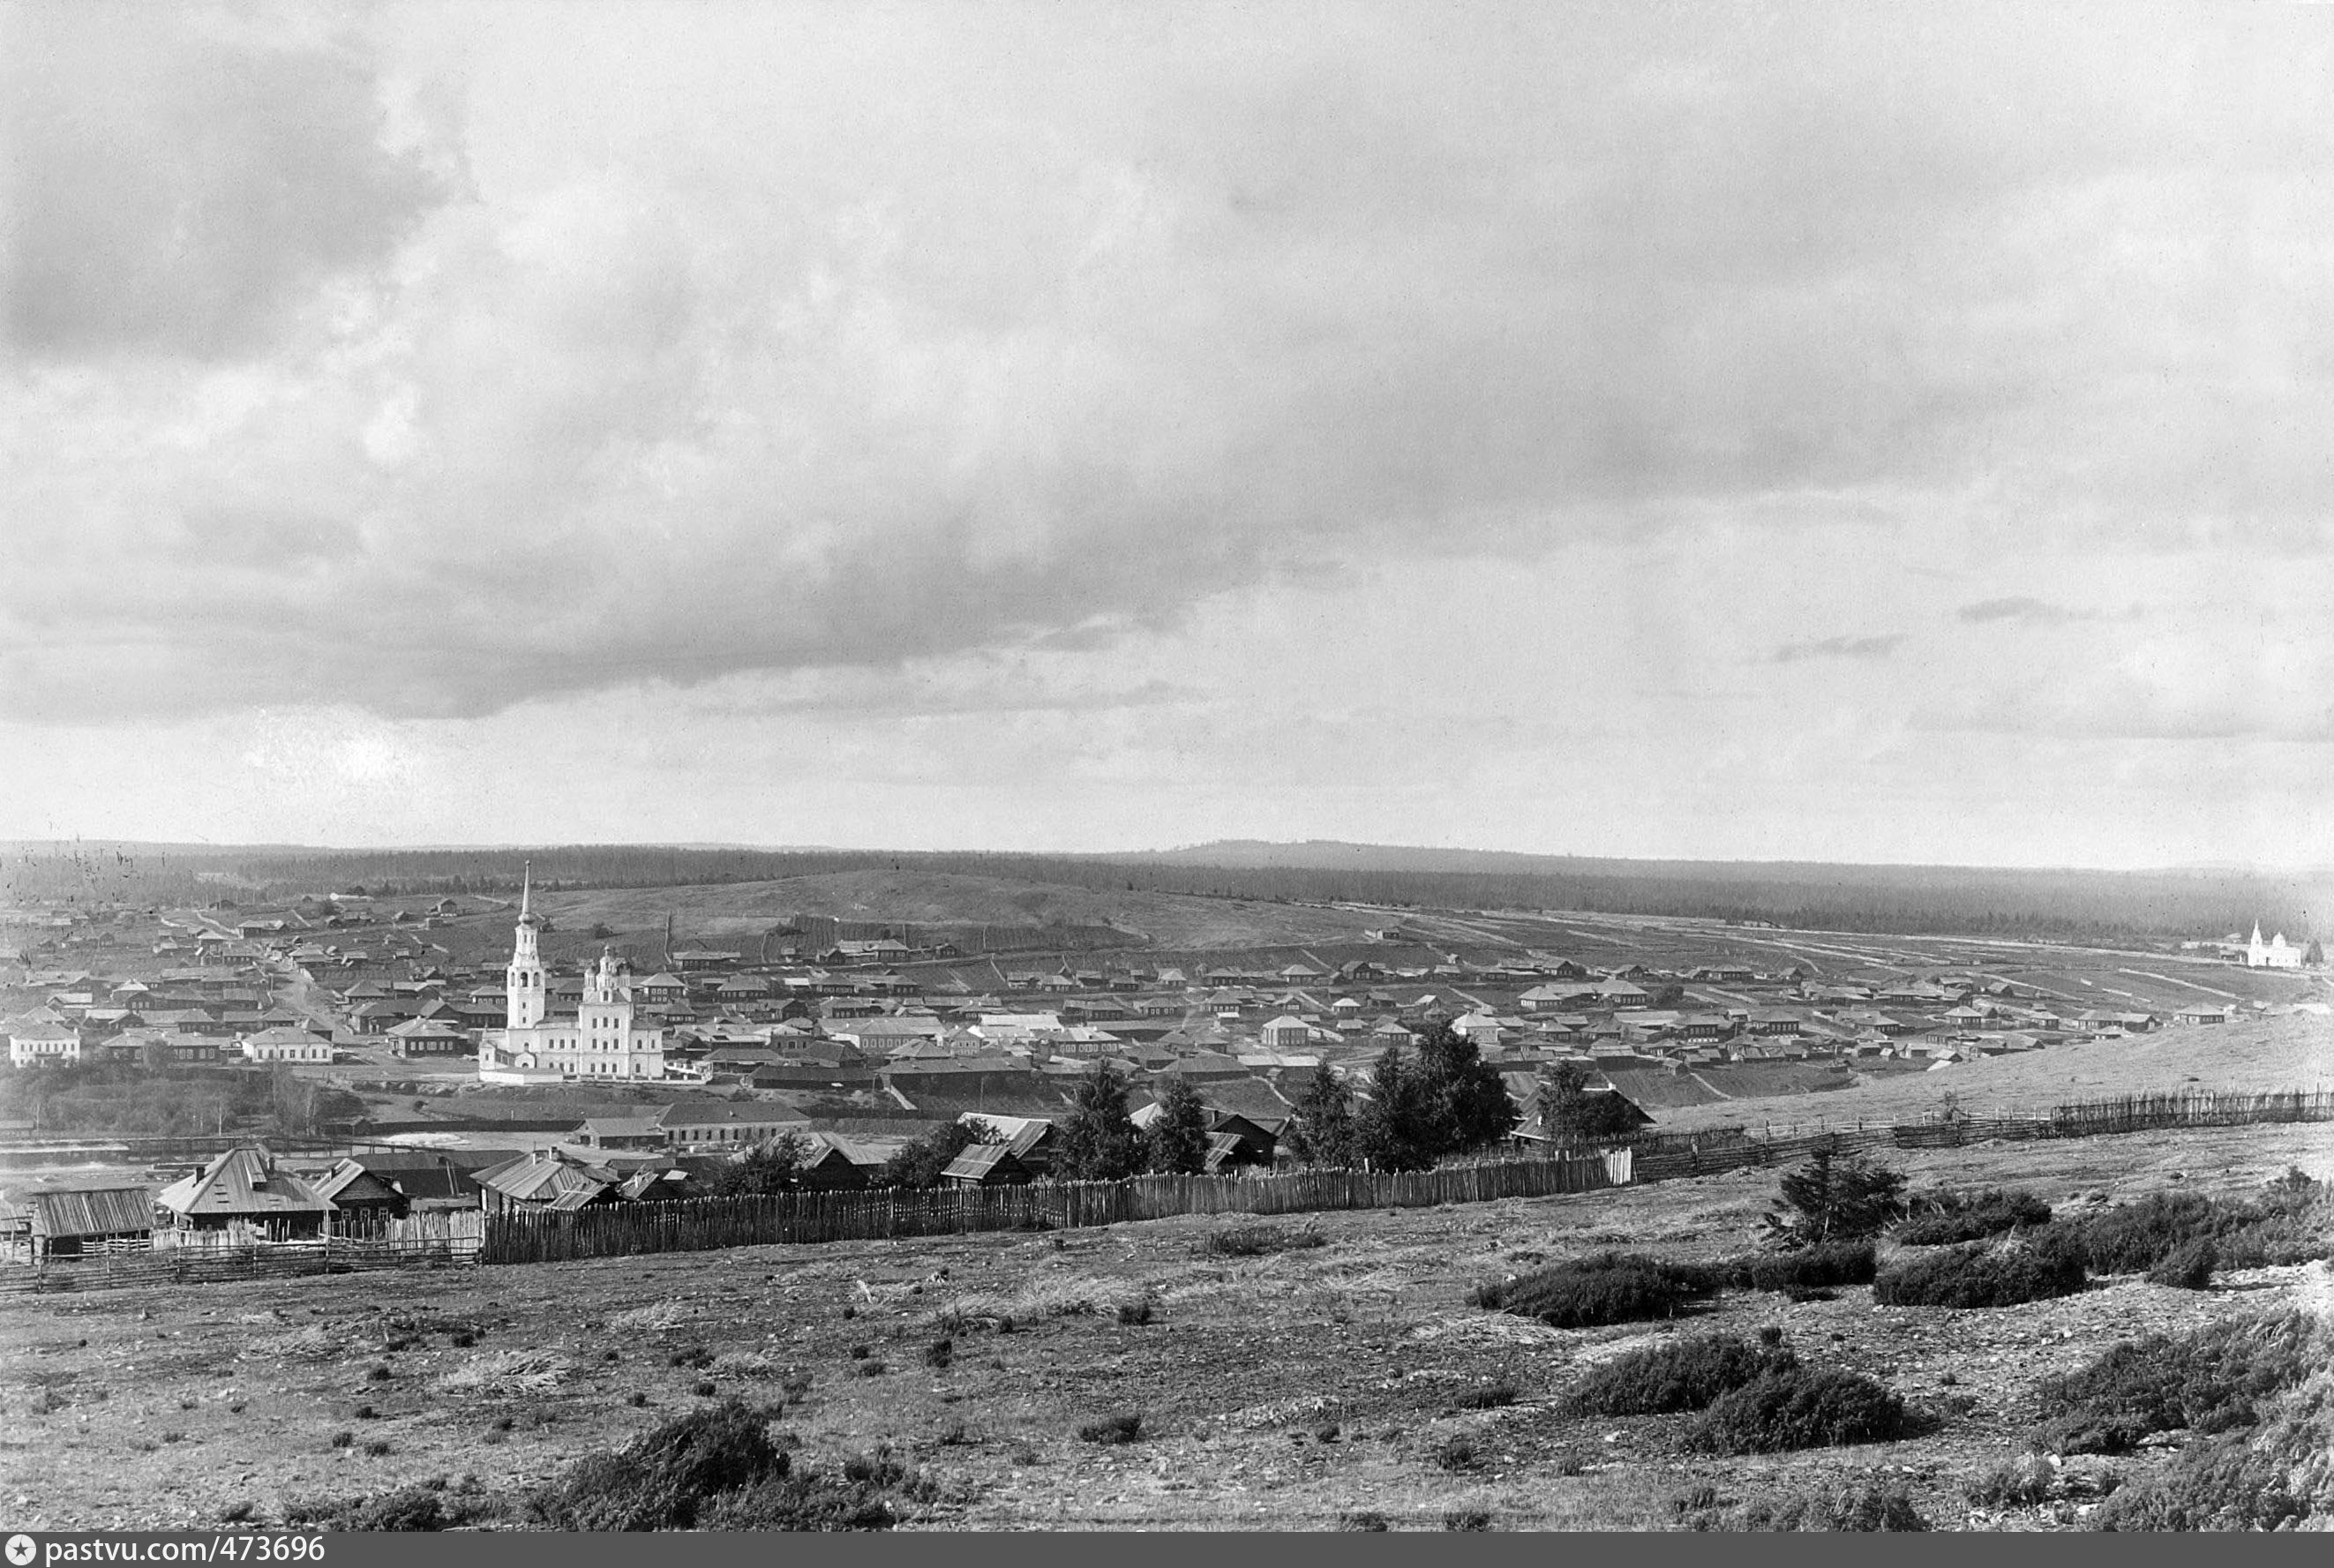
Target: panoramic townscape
1000, 1180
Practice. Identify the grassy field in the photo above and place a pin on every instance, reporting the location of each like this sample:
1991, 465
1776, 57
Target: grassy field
2295, 1052
1289, 1389
930, 898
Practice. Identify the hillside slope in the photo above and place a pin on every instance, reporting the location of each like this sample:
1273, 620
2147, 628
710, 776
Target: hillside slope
940, 899
2295, 1052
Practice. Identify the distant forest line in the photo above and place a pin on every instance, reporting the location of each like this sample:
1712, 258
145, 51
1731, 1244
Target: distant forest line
2107, 907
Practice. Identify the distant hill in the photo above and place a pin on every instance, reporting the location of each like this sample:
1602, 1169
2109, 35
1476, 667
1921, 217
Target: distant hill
1155, 892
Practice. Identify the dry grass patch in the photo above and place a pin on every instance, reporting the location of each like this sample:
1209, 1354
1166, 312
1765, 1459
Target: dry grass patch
502, 1374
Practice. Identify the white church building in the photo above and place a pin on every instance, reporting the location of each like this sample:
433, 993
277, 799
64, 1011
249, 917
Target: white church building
2276, 953
604, 1040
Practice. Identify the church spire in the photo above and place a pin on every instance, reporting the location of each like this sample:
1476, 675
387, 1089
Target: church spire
525, 886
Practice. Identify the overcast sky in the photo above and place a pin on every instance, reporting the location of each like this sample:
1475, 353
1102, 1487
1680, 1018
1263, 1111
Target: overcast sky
1849, 433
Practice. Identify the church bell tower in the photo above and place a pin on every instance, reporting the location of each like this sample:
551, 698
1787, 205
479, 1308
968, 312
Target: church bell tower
523, 984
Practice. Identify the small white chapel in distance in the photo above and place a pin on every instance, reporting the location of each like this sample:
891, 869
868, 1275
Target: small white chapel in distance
2276, 953
603, 1040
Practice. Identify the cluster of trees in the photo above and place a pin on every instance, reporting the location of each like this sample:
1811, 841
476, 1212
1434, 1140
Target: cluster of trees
117, 1100
1421, 1107
1447, 1099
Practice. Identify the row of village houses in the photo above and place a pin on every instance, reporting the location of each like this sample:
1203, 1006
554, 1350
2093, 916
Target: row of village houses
192, 1017
624, 1155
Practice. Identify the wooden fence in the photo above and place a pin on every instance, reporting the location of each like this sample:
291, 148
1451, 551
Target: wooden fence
696, 1225
462, 1238
1663, 1157
447, 1238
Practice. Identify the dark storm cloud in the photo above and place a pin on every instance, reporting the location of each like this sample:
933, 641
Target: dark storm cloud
786, 338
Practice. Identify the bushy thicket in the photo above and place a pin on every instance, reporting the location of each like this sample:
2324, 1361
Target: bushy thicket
1944, 1218
2189, 1268
1833, 1263
2290, 1221
1684, 1374
716, 1468
1871, 1507
1985, 1275
2271, 1464
1798, 1408
1612, 1287
2211, 1379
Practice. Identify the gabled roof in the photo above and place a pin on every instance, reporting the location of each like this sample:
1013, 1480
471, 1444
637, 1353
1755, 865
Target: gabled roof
91, 1211
243, 1182
980, 1160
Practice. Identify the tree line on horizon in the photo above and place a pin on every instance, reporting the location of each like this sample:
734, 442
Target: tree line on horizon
1911, 900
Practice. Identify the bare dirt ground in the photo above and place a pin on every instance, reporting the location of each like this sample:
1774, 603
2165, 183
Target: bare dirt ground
1284, 1391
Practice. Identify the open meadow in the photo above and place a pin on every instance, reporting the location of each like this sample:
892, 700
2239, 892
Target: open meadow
1326, 1371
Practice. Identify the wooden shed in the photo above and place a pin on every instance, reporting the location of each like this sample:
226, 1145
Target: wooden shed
984, 1165
67, 1222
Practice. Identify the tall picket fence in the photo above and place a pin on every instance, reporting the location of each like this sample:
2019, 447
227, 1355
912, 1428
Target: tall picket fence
703, 1224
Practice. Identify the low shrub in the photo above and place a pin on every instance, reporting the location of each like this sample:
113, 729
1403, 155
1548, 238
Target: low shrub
861, 1353
801, 1501
2188, 1268
1490, 1397
1684, 1374
343, 1441
1988, 1275
1258, 1240
695, 1357
940, 1353
1367, 1519
1808, 1269
637, 1400
2211, 1379
379, 1375
376, 1450
1468, 1519
410, 1508
664, 1478
703, 1390
1798, 1408
2291, 1222
365, 1413
870, 1368
1113, 1431
1609, 1288
1945, 1218
2022, 1483
1135, 1312
1868, 1507
2275, 1475
1455, 1452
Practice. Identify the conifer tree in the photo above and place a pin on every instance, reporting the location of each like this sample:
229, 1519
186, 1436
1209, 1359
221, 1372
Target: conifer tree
1323, 1131
1099, 1144
1177, 1143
